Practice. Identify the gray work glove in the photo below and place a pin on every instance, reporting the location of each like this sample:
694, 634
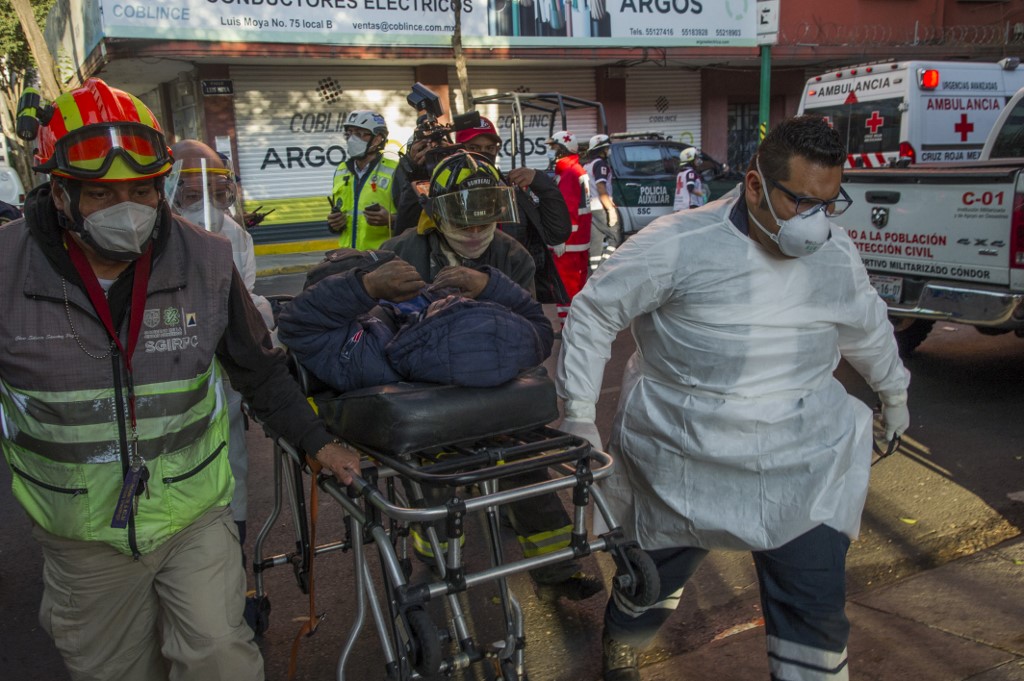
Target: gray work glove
584, 429
895, 415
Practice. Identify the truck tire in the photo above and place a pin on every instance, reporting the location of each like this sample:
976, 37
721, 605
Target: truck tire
910, 333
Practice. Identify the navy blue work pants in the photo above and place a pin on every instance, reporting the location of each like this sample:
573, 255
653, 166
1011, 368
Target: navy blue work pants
803, 597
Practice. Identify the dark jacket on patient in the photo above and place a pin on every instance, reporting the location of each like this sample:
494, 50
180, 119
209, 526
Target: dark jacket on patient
348, 340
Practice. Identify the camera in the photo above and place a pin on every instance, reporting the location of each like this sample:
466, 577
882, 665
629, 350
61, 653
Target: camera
428, 104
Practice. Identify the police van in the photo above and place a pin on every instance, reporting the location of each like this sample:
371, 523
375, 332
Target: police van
898, 113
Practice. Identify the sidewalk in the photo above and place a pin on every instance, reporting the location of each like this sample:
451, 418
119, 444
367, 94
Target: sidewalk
962, 620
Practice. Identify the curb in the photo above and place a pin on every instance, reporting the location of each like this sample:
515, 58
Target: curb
284, 269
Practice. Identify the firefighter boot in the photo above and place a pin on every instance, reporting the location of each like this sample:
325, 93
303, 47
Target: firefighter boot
620, 660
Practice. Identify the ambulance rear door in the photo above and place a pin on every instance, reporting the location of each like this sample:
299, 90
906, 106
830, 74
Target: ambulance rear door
865, 104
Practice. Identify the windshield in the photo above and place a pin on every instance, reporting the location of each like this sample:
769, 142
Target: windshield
1009, 142
866, 127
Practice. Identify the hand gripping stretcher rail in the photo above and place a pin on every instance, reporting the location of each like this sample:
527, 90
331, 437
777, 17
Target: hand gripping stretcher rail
415, 437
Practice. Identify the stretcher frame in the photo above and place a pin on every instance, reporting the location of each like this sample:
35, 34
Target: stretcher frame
377, 513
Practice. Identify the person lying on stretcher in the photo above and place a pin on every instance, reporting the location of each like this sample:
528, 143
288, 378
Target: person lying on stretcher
360, 328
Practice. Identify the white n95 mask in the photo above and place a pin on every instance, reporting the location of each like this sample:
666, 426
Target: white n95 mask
197, 214
355, 146
120, 232
798, 236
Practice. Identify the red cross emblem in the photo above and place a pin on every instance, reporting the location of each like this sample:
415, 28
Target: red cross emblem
567, 138
963, 127
875, 122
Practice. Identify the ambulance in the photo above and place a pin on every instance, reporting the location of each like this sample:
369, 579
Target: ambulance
913, 112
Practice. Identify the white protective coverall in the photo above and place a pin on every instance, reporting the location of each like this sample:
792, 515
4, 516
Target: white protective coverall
244, 256
731, 432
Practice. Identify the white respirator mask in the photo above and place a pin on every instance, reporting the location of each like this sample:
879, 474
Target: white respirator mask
800, 235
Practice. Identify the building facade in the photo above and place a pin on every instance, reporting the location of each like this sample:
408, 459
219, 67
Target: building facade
268, 82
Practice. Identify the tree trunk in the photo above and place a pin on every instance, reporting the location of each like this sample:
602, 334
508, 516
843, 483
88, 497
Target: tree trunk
460, 59
50, 85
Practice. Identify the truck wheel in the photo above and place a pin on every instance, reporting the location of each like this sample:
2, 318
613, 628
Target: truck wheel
910, 333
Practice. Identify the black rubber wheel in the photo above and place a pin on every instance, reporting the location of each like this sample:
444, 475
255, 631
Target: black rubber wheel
645, 591
910, 333
425, 644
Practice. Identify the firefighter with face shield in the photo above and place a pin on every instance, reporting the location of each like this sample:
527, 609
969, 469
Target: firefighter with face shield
114, 420
458, 234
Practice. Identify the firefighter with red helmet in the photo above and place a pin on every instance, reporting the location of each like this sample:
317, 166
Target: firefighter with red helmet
573, 263
114, 421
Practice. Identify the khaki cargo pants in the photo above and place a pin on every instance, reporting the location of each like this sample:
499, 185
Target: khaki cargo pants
175, 613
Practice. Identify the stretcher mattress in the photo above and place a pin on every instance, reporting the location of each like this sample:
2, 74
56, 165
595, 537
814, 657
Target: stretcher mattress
402, 418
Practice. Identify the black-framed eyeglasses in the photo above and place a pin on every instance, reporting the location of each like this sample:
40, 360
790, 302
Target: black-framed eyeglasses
807, 206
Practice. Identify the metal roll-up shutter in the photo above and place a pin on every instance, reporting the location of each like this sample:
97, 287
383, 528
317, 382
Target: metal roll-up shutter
578, 82
289, 124
665, 100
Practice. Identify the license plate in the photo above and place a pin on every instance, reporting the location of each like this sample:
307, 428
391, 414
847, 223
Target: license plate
890, 289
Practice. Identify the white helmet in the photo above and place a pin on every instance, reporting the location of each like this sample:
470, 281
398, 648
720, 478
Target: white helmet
688, 155
599, 142
564, 138
367, 120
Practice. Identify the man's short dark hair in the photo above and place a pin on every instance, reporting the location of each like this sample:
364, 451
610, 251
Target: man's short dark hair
808, 136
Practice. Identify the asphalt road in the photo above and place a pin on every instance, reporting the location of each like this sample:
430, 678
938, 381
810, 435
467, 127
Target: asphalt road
946, 494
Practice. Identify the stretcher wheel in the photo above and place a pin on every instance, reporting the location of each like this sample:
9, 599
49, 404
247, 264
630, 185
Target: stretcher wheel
645, 591
424, 644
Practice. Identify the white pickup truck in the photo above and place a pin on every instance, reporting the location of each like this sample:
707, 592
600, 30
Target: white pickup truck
946, 242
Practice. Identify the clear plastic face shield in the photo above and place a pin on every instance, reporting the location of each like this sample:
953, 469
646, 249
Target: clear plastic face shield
204, 192
477, 207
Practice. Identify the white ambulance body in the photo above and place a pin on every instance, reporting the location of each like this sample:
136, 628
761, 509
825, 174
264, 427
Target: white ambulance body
913, 111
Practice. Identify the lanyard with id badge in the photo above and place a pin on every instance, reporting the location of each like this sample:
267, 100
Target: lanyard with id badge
137, 475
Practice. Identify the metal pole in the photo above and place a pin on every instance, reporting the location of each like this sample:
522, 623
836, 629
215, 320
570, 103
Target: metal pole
766, 90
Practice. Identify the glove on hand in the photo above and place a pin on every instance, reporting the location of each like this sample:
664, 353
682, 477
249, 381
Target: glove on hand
583, 428
896, 415
613, 218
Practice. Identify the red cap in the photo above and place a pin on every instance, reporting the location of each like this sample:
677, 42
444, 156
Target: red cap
485, 128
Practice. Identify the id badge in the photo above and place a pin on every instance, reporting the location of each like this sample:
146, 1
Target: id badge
126, 499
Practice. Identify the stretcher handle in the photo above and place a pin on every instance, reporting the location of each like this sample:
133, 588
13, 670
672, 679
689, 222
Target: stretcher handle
493, 472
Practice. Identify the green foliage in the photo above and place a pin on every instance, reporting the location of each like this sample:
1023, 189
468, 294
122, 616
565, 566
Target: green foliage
17, 59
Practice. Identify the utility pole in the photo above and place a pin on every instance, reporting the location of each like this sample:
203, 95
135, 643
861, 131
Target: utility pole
767, 35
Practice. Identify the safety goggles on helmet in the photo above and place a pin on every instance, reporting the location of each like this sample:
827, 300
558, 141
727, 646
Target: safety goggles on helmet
90, 152
474, 207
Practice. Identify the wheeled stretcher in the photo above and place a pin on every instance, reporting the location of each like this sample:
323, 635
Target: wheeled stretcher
471, 446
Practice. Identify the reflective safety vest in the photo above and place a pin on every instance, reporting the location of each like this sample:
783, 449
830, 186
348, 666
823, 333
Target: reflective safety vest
353, 194
64, 412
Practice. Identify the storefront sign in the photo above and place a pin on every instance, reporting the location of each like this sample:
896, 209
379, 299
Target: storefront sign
542, 23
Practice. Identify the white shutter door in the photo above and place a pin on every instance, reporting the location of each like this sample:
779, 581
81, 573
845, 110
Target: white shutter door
289, 123
664, 100
573, 82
